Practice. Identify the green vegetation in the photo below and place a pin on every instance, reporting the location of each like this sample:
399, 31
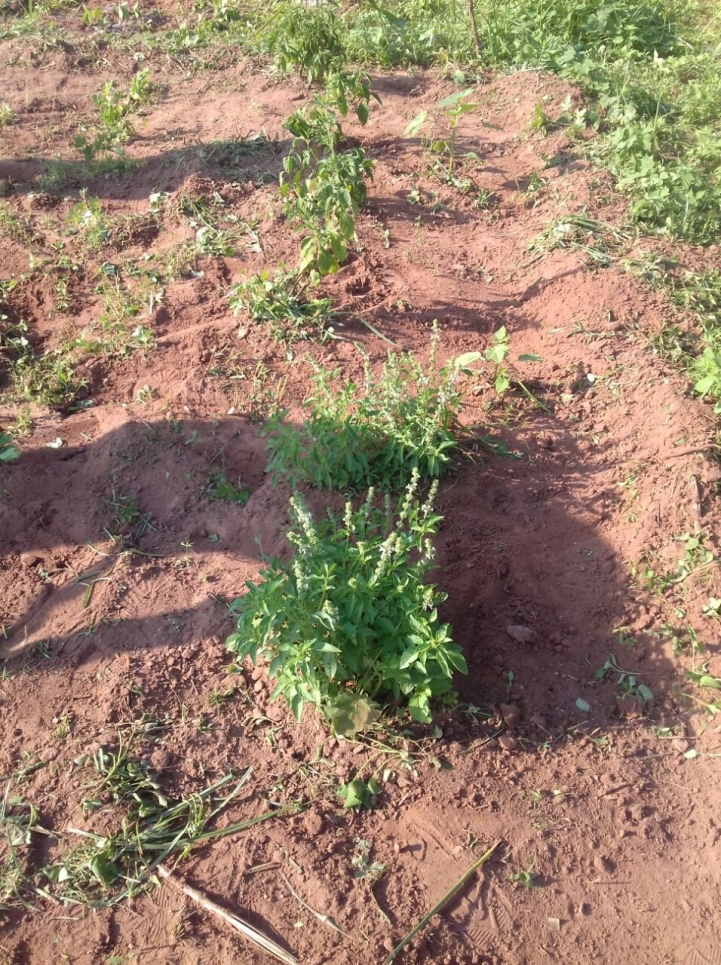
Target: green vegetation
323, 187
349, 617
114, 107
278, 302
219, 487
398, 424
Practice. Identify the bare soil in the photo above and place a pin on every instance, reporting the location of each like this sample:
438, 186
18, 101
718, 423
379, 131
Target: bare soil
618, 820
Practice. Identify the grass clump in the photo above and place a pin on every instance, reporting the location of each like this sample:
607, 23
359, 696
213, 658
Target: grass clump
380, 434
221, 488
348, 620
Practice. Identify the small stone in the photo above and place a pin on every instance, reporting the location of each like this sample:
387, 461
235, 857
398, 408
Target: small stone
584, 909
508, 742
511, 714
388, 944
520, 634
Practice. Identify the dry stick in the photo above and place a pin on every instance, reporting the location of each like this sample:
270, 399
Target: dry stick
245, 929
444, 901
324, 919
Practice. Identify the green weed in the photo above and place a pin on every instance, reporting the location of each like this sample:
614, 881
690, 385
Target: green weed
6, 114
526, 877
217, 230
350, 614
45, 377
114, 107
377, 435
277, 301
219, 487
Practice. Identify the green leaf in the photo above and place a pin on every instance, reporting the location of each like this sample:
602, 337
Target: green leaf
454, 98
502, 383
408, 657
296, 706
644, 692
10, 454
415, 125
462, 361
353, 794
103, 869
419, 708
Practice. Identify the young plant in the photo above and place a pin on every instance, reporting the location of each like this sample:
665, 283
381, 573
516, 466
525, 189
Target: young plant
453, 107
114, 107
349, 615
323, 187
401, 423
221, 488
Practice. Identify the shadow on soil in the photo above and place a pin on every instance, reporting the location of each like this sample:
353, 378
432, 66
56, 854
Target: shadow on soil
519, 547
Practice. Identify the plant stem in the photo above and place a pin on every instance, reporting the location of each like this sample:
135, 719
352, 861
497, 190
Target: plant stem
474, 28
443, 902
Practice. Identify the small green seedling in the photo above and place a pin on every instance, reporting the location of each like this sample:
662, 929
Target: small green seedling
361, 863
526, 878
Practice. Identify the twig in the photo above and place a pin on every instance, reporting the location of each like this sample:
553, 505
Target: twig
245, 929
324, 919
691, 450
443, 902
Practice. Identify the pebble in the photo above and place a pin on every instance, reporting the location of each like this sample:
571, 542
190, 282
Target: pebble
511, 714
508, 742
520, 633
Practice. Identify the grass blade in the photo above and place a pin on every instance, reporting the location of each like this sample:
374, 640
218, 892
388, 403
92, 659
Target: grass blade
443, 902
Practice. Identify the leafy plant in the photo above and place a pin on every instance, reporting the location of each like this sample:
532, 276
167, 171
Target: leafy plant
323, 187
378, 435
453, 107
219, 487
8, 451
307, 39
349, 613
114, 107
278, 301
